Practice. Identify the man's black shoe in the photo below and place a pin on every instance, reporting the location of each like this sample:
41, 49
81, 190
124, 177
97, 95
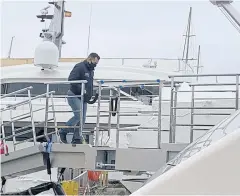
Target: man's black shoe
63, 137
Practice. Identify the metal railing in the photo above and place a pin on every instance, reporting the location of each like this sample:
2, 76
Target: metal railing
117, 85
193, 108
84, 181
112, 85
79, 176
82, 83
30, 114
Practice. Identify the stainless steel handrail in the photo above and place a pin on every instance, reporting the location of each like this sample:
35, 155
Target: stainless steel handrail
119, 113
30, 115
117, 87
16, 92
82, 82
192, 108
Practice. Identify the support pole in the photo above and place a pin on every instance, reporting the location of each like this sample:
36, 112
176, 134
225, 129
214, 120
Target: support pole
174, 115
110, 114
118, 118
237, 91
198, 61
13, 130
171, 112
46, 114
54, 119
32, 119
191, 115
81, 109
159, 113
98, 114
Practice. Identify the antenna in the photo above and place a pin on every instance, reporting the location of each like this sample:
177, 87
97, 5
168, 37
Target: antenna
10, 48
89, 29
55, 31
185, 55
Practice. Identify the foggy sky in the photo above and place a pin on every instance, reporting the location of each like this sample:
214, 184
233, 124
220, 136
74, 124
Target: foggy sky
129, 29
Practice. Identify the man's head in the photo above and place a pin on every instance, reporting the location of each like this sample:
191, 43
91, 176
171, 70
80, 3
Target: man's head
93, 59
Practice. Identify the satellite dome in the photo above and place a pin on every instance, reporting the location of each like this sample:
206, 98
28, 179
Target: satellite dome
46, 55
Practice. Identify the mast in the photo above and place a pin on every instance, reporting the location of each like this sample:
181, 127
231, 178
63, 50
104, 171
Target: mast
188, 34
89, 30
198, 61
10, 48
185, 56
55, 31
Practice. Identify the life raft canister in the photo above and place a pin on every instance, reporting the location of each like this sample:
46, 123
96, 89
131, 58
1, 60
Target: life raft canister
2, 147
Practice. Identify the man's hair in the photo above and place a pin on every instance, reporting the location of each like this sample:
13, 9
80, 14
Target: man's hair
94, 55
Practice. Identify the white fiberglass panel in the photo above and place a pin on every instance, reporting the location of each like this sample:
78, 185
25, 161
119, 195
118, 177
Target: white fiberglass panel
226, 126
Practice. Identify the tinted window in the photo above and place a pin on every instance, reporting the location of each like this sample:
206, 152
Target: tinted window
38, 88
61, 89
3, 88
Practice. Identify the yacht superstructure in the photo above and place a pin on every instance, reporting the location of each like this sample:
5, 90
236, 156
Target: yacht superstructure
13, 77
102, 156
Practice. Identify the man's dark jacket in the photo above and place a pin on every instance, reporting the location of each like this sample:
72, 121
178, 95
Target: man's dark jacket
82, 71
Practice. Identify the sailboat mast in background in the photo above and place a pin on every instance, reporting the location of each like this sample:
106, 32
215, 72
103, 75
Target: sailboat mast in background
89, 30
10, 48
186, 49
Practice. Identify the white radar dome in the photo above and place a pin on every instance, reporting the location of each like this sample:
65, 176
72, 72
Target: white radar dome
46, 55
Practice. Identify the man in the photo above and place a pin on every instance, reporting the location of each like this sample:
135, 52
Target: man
81, 71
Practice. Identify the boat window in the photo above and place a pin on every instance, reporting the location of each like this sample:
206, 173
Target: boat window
3, 87
61, 89
106, 92
38, 88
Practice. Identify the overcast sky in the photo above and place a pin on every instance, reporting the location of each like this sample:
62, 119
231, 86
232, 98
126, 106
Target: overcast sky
129, 29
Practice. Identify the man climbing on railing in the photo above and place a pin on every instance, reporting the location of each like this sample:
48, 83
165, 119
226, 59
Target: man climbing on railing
81, 71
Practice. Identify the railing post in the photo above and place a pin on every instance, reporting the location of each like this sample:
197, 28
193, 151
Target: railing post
110, 112
174, 118
46, 114
13, 131
32, 119
118, 118
237, 91
3, 136
54, 118
98, 113
171, 112
81, 109
159, 112
191, 115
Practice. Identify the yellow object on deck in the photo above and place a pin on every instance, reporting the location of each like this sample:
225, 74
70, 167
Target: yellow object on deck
70, 187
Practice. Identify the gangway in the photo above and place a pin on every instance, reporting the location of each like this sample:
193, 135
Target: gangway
96, 155
90, 157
